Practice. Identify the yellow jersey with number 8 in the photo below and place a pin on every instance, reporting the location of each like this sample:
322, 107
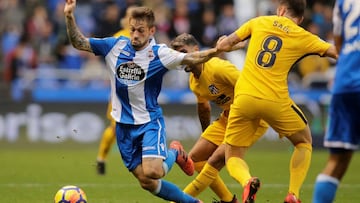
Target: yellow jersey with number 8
276, 44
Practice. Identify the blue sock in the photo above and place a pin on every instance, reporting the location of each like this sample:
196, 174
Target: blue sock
171, 192
170, 160
325, 189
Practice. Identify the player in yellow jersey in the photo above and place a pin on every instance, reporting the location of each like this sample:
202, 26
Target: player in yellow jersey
276, 43
108, 136
212, 81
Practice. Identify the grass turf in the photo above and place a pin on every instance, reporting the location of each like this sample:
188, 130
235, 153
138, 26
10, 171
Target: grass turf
33, 173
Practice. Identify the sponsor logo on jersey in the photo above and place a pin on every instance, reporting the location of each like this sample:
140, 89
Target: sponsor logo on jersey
129, 73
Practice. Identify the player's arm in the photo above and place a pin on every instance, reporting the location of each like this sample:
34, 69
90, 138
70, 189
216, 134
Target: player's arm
77, 39
239, 45
197, 57
229, 43
204, 114
333, 51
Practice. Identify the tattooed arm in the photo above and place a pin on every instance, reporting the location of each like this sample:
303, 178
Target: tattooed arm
199, 56
229, 43
77, 39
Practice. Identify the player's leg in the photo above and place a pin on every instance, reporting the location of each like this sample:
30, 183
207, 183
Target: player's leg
209, 140
157, 162
291, 122
144, 152
238, 137
208, 175
299, 163
159, 187
328, 181
107, 140
200, 153
342, 138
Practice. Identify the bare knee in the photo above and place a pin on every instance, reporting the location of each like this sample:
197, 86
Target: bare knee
302, 136
153, 168
154, 173
217, 159
147, 183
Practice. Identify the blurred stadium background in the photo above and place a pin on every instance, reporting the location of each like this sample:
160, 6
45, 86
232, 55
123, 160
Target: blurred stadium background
53, 98
47, 81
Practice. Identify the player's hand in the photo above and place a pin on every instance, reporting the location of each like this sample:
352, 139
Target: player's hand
69, 7
220, 39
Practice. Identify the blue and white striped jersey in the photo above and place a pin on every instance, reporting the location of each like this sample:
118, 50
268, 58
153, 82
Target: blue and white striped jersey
346, 21
136, 77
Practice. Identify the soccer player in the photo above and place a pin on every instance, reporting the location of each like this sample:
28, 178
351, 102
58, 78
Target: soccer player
108, 136
212, 81
343, 134
107, 140
276, 43
138, 65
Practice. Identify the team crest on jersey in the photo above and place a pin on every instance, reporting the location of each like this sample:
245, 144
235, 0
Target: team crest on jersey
151, 54
129, 73
213, 89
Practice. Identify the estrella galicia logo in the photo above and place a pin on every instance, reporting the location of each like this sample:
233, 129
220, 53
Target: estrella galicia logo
213, 89
129, 73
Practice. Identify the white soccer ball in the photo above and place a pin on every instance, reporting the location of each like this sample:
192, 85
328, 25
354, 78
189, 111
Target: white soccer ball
70, 194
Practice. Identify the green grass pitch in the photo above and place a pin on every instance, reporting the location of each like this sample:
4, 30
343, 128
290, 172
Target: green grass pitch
32, 173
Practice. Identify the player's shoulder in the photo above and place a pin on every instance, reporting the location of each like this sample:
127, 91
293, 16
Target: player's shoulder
120, 41
220, 66
260, 22
108, 42
214, 62
122, 37
218, 62
162, 49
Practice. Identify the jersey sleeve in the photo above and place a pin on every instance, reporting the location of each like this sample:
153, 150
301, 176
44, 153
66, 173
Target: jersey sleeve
102, 46
315, 44
244, 31
171, 58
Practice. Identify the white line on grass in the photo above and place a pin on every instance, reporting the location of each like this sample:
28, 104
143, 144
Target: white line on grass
126, 185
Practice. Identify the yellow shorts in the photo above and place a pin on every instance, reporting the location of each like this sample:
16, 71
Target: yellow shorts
215, 132
246, 113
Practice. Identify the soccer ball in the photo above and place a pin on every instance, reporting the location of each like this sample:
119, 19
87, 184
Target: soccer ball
70, 194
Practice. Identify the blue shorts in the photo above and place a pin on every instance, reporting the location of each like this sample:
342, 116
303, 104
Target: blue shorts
139, 141
343, 126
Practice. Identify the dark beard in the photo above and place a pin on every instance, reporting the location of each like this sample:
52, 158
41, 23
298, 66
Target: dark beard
138, 46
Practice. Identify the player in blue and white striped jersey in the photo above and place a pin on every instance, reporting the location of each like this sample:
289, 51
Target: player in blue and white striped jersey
137, 65
343, 133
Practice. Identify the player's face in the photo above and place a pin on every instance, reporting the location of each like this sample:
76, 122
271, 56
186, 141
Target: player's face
140, 33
